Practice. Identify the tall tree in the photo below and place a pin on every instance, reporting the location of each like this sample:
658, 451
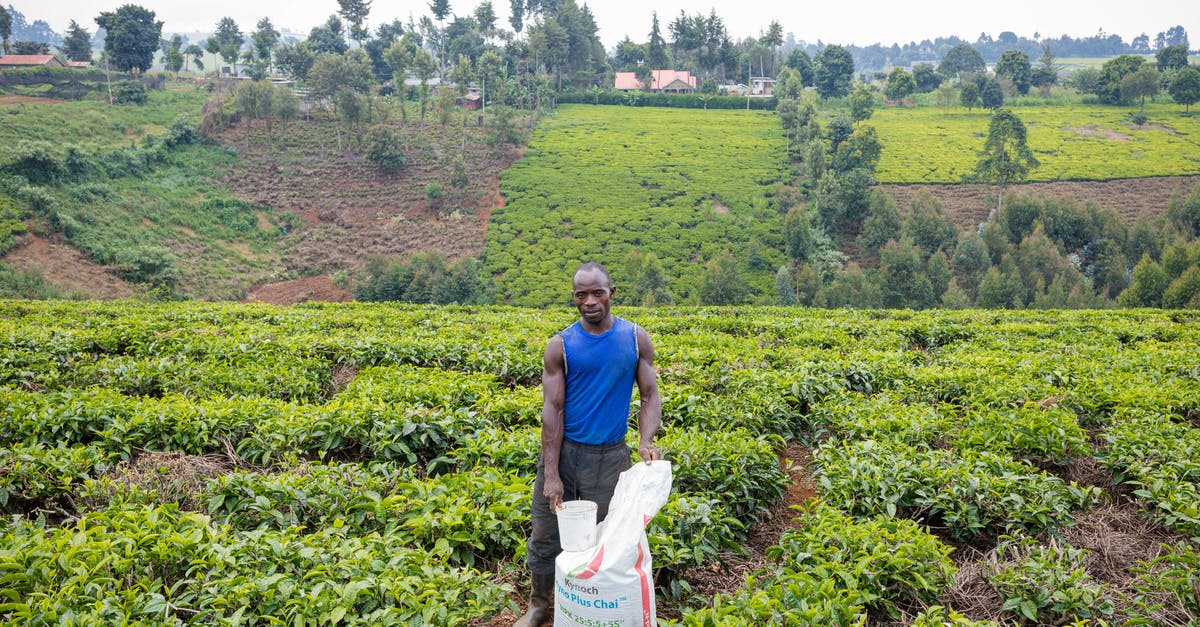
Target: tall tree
1015, 65
656, 53
516, 15
799, 60
193, 53
1185, 89
773, 39
328, 37
133, 36
229, 41
834, 68
173, 53
489, 68
77, 45
900, 84
440, 10
1172, 58
1140, 84
961, 58
1006, 156
355, 13
485, 19
1113, 73
6, 26
265, 39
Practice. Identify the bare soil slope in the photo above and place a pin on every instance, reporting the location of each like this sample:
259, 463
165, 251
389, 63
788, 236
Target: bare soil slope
348, 212
70, 270
969, 203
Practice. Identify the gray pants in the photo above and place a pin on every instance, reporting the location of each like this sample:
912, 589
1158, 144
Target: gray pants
588, 473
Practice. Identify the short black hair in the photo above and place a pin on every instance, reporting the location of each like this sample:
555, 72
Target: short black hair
592, 266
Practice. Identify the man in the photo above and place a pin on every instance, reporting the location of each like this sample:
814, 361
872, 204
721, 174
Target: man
588, 373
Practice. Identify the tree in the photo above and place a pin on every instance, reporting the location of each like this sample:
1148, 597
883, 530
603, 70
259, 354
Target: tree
990, 93
193, 53
1185, 89
970, 263
773, 39
969, 96
132, 37
883, 221
440, 10
900, 84
327, 37
798, 60
926, 78
489, 67
229, 41
30, 47
1149, 283
5, 27
722, 283
656, 46
862, 103
355, 13
1015, 65
1172, 58
77, 45
905, 283
516, 15
295, 60
265, 39
1140, 84
173, 54
1045, 75
945, 96
834, 67
961, 58
927, 224
383, 149
1112, 74
1006, 156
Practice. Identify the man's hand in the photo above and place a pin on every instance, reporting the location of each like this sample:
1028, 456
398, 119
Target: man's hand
648, 452
552, 489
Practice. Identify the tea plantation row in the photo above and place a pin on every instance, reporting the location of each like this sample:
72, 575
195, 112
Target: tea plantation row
195, 463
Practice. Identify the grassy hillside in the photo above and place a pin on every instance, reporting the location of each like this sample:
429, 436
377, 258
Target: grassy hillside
256, 455
118, 186
1073, 142
600, 181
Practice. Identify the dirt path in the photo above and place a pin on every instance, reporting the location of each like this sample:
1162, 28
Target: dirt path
69, 269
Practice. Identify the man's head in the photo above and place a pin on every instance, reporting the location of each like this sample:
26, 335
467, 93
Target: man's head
592, 290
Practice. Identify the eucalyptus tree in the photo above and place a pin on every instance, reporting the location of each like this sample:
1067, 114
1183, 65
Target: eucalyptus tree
1006, 156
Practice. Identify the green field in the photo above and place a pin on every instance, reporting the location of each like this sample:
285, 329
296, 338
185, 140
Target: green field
201, 463
600, 181
1072, 142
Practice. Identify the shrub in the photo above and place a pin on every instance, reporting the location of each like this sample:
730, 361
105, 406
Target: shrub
384, 150
129, 92
892, 563
1048, 584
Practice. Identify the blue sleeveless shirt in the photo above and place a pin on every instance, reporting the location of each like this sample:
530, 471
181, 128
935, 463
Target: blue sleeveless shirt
600, 373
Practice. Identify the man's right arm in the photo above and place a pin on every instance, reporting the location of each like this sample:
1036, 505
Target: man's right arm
554, 394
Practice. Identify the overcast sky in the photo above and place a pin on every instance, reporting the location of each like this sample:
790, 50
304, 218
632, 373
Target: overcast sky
861, 22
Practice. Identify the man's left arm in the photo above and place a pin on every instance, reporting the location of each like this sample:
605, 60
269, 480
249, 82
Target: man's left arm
650, 415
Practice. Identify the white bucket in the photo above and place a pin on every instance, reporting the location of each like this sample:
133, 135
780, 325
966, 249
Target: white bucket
577, 525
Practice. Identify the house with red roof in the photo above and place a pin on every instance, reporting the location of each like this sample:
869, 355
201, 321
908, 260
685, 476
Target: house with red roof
79, 64
668, 81
30, 60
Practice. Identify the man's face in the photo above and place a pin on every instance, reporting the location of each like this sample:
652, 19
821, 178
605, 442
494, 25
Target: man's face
592, 293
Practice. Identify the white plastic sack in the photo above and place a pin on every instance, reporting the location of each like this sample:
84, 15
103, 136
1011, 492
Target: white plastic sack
612, 583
